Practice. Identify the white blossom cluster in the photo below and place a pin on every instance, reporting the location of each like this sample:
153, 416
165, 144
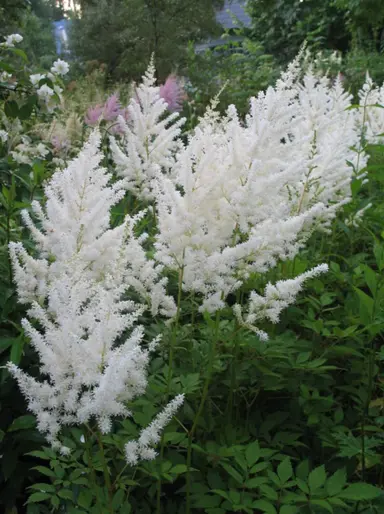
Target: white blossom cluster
11, 41
81, 320
241, 196
26, 151
46, 94
149, 138
276, 298
371, 110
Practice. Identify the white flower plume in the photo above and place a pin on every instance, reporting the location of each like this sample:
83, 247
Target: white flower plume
91, 353
149, 138
243, 195
276, 298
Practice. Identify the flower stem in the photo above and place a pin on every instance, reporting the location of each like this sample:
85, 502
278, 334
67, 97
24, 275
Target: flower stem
207, 382
107, 478
169, 378
88, 446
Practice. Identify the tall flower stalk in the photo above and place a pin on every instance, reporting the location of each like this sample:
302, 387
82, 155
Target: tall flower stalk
90, 345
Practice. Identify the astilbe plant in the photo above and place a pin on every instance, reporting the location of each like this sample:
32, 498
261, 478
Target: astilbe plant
77, 291
372, 119
149, 138
242, 195
237, 198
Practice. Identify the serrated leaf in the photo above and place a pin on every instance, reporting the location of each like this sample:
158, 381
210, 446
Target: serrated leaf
85, 498
66, 494
270, 493
42, 487
232, 471
264, 506
336, 482
360, 491
179, 469
252, 453
260, 466
324, 504
23, 423
39, 454
38, 497
252, 483
366, 306
284, 470
118, 498
317, 478
45, 471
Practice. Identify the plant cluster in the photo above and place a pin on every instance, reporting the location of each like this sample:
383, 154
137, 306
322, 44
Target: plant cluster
167, 356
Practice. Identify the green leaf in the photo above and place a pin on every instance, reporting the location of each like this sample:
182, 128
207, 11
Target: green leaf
66, 494
6, 67
118, 498
39, 454
260, 466
41, 487
288, 509
265, 506
45, 471
232, 471
336, 482
270, 493
252, 483
11, 109
366, 306
317, 478
252, 453
38, 497
23, 423
55, 500
360, 491
324, 504
179, 469
371, 279
20, 53
25, 111
17, 350
85, 498
284, 470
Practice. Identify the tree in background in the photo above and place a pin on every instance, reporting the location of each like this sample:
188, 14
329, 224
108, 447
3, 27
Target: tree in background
124, 33
283, 25
33, 19
365, 21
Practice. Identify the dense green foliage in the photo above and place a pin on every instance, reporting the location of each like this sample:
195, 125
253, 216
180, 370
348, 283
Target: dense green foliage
282, 25
236, 70
291, 426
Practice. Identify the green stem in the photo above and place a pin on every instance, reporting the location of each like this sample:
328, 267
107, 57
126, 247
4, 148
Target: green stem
211, 361
107, 478
169, 378
88, 446
235, 357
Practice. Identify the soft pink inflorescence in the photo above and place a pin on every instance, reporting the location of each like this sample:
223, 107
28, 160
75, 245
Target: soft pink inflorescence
112, 108
108, 112
60, 144
93, 115
172, 93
